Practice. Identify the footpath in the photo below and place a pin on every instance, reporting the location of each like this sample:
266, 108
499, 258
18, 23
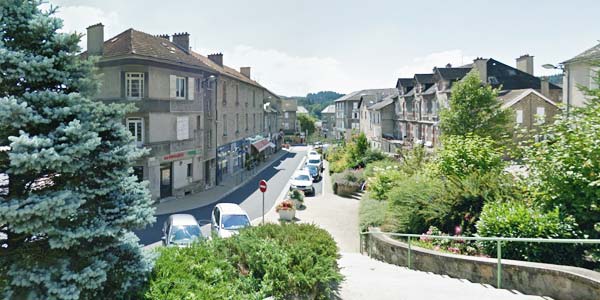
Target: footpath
366, 278
204, 198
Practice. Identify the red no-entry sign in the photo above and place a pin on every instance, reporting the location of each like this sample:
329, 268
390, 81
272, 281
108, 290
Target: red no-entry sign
262, 185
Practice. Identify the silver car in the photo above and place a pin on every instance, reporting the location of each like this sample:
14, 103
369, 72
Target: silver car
180, 230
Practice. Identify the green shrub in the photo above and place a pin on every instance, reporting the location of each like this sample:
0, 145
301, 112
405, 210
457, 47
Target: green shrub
463, 155
270, 260
371, 212
519, 219
464, 197
372, 168
384, 180
408, 199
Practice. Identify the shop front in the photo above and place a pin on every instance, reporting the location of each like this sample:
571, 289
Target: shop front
231, 159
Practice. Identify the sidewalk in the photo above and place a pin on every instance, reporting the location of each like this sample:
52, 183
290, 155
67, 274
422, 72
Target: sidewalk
216, 193
337, 215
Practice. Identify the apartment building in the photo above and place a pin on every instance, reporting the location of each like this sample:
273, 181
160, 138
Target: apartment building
580, 71
421, 97
328, 120
181, 115
289, 122
347, 112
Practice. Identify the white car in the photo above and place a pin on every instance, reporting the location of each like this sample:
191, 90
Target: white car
313, 153
315, 160
180, 230
302, 181
227, 219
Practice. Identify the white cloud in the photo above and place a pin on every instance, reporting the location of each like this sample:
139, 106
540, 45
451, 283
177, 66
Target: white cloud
287, 74
78, 18
425, 64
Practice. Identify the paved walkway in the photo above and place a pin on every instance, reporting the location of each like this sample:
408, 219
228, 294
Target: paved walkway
366, 278
178, 204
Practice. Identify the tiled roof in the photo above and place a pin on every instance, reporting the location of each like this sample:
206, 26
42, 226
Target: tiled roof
425, 78
405, 82
589, 54
133, 42
355, 96
301, 110
381, 104
510, 97
453, 73
329, 109
511, 78
225, 70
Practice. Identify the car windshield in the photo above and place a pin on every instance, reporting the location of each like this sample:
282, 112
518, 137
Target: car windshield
302, 177
313, 161
233, 222
313, 169
184, 234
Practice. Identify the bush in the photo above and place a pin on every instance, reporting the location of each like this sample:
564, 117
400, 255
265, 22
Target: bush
371, 212
384, 180
463, 155
270, 260
519, 219
464, 197
408, 200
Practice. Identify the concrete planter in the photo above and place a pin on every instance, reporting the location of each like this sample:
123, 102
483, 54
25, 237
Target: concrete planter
345, 189
287, 214
297, 203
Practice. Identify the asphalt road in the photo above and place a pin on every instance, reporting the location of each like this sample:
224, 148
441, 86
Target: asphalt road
247, 196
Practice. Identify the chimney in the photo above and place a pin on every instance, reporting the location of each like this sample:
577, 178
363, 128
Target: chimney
245, 71
449, 65
545, 87
182, 40
95, 39
217, 58
164, 36
480, 64
525, 63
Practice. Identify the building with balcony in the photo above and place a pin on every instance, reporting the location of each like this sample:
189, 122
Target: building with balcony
347, 111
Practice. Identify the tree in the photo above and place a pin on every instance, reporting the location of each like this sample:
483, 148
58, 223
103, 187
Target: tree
307, 123
463, 155
475, 108
565, 167
69, 202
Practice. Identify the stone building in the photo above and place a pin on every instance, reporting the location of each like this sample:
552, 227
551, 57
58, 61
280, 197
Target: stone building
328, 121
289, 122
347, 112
178, 97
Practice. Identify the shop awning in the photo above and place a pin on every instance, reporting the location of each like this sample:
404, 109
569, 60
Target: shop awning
261, 145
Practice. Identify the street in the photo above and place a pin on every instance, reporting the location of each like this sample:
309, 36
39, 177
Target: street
247, 196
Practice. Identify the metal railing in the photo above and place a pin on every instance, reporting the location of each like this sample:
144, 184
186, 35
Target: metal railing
498, 241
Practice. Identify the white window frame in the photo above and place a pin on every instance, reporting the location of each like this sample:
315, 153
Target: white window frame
540, 113
180, 87
130, 77
519, 116
183, 128
138, 133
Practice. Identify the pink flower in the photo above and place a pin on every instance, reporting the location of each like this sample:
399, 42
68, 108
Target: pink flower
457, 230
436, 248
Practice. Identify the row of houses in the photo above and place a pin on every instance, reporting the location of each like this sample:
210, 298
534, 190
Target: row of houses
409, 113
203, 121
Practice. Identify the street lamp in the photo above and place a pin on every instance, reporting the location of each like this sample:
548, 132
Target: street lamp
566, 74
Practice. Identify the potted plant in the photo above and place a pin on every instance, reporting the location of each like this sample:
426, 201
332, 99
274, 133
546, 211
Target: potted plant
297, 197
286, 210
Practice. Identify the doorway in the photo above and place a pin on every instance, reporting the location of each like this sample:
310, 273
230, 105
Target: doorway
165, 180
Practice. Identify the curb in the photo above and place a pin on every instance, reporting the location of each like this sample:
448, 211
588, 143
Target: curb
233, 189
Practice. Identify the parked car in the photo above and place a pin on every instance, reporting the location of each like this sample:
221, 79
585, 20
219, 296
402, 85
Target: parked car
314, 172
180, 230
227, 219
315, 160
302, 181
313, 153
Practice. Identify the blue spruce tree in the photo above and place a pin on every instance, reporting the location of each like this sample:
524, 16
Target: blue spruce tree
68, 199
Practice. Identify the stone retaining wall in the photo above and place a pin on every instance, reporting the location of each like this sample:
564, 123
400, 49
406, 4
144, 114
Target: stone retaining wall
558, 282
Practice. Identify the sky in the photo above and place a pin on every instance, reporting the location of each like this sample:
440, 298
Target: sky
295, 47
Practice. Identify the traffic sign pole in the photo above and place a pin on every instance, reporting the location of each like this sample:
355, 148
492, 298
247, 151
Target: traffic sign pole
262, 186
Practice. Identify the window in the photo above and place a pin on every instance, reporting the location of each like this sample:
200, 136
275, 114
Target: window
519, 116
355, 115
246, 121
224, 92
180, 87
136, 127
224, 125
138, 171
286, 125
355, 105
189, 170
254, 121
183, 128
286, 115
237, 122
237, 94
540, 114
253, 98
134, 85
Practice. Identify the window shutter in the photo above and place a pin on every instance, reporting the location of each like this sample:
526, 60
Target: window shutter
123, 85
146, 85
190, 87
172, 85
